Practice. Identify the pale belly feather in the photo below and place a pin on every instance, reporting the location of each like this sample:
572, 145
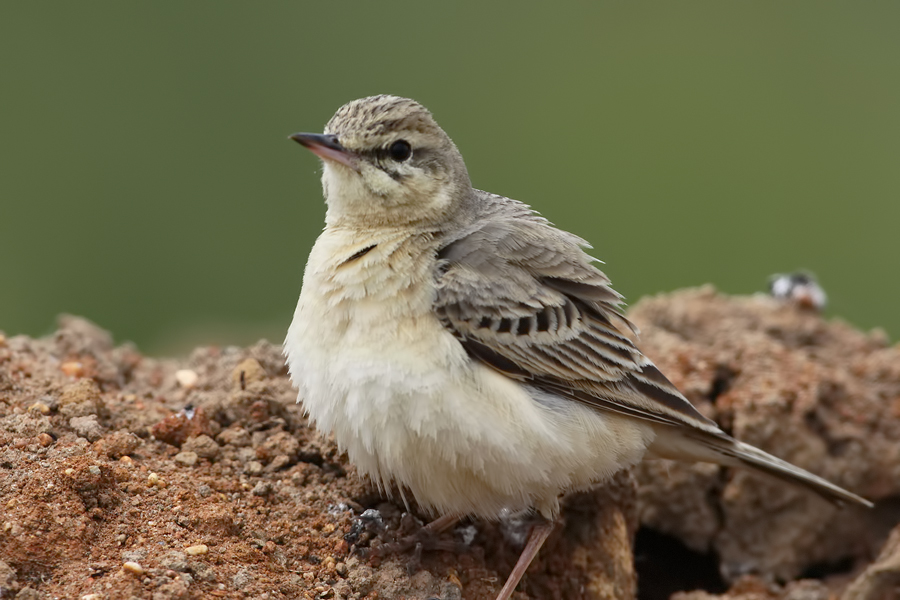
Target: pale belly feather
404, 400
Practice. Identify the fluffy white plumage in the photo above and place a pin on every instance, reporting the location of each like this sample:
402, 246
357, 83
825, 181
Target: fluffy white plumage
376, 367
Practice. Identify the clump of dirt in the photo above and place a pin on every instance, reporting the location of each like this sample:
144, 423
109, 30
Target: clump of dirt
819, 394
125, 476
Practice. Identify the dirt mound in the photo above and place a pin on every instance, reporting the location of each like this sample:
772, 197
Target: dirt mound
124, 476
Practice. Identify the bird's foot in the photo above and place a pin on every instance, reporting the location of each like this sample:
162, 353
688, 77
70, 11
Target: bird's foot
422, 539
412, 537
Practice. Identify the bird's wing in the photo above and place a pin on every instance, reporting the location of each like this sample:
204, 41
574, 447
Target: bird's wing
525, 299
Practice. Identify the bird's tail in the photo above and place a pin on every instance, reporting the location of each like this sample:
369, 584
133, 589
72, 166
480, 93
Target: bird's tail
719, 448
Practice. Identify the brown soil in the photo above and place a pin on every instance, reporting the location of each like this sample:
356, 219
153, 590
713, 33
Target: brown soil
124, 476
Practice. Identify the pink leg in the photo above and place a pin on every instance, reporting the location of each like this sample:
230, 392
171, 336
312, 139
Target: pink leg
536, 539
442, 524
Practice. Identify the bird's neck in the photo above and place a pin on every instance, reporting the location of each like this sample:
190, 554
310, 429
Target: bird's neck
416, 205
353, 263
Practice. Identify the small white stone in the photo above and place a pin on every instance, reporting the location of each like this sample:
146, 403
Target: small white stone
196, 550
186, 378
133, 567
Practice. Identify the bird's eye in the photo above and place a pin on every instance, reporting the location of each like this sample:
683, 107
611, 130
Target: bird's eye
400, 150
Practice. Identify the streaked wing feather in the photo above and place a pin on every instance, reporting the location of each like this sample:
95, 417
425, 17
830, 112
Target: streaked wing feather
525, 299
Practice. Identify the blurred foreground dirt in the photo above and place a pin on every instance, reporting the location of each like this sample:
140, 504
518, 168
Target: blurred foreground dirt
124, 476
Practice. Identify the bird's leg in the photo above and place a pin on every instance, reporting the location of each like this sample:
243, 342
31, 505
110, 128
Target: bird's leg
539, 533
442, 524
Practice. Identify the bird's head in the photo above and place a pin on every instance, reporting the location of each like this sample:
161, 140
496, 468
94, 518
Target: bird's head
388, 163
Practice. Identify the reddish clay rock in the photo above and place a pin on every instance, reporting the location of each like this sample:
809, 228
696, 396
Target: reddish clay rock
268, 508
261, 510
881, 579
753, 588
819, 394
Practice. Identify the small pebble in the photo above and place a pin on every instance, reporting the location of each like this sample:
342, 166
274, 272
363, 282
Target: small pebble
39, 407
176, 561
126, 461
235, 436
263, 488
203, 445
45, 439
242, 578
117, 444
133, 567
155, 480
94, 470
92, 597
186, 378
80, 391
278, 463
87, 427
72, 368
188, 459
248, 371
70, 471
196, 550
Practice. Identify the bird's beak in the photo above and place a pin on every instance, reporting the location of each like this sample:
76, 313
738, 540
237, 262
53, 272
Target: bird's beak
326, 147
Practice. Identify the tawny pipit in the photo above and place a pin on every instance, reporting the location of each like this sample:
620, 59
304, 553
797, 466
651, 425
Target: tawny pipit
457, 344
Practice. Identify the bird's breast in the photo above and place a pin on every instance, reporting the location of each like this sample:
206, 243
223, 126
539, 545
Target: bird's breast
375, 367
366, 323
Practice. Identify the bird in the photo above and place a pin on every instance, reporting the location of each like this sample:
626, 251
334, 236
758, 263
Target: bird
460, 347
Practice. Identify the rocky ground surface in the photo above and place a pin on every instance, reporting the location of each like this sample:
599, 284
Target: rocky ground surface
124, 476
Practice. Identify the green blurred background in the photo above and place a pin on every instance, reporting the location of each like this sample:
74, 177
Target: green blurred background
146, 179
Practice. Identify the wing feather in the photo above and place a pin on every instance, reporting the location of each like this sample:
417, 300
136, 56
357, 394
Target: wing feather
525, 299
